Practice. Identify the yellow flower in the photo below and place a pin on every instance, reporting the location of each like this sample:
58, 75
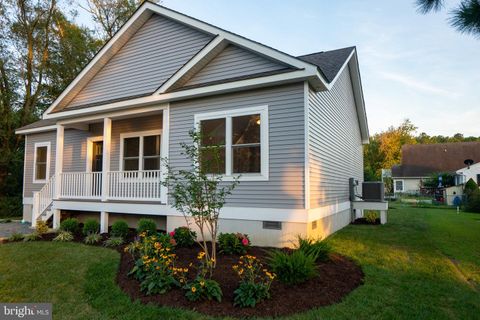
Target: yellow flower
202, 283
194, 289
185, 270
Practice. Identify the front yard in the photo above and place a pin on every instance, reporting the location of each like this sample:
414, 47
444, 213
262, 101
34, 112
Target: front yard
425, 263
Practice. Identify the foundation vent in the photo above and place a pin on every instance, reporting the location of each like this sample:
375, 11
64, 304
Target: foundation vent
274, 225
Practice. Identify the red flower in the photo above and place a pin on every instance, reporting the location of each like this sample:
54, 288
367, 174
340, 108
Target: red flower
245, 241
172, 233
173, 242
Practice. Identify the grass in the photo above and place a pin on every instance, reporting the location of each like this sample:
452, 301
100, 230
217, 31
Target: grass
424, 264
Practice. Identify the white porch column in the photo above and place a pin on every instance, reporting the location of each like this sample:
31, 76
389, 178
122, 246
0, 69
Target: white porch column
107, 144
103, 222
56, 218
164, 152
59, 159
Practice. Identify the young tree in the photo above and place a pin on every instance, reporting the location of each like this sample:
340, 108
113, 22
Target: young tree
199, 192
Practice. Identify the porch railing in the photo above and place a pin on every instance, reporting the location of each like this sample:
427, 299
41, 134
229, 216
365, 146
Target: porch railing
134, 185
81, 185
121, 185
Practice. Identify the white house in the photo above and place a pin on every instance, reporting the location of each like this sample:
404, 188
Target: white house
293, 127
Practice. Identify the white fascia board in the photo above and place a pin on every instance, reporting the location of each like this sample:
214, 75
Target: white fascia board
289, 77
37, 130
108, 49
358, 95
115, 114
218, 43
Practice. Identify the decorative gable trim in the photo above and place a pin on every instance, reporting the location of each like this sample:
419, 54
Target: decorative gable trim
142, 14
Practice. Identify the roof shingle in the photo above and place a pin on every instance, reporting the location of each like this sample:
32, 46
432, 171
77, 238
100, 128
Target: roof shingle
329, 62
421, 160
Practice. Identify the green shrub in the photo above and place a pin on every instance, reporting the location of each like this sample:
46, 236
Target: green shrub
473, 201
64, 236
93, 238
201, 289
70, 225
10, 207
470, 187
90, 226
147, 225
318, 249
32, 237
120, 229
113, 242
371, 216
16, 237
255, 282
184, 237
233, 243
292, 268
41, 227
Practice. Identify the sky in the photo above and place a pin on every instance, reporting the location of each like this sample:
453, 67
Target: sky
412, 66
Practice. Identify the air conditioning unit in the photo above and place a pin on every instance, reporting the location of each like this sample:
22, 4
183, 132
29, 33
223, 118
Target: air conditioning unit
373, 191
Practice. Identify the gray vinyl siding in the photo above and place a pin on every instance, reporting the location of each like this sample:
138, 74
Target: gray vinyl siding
335, 147
233, 62
29, 187
75, 150
153, 54
285, 187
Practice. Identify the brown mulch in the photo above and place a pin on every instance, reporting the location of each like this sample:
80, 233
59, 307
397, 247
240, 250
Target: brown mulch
336, 279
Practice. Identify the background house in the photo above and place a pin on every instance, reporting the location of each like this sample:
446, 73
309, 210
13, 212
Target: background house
420, 161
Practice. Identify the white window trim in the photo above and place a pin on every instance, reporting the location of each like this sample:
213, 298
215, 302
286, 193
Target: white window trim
90, 141
47, 170
139, 134
264, 141
395, 185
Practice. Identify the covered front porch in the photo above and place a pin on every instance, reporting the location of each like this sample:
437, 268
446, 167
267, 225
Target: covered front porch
114, 157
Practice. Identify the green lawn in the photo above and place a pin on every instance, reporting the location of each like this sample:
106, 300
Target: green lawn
424, 264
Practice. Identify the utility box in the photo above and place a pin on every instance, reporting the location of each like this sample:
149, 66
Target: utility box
373, 191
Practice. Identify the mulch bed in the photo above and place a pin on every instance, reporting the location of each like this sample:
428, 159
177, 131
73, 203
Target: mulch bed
364, 221
336, 279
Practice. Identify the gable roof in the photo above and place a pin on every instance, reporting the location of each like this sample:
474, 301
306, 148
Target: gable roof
314, 68
421, 160
329, 62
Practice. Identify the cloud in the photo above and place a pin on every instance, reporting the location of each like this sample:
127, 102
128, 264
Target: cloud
417, 84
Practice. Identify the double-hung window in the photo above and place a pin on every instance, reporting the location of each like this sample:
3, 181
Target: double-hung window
140, 151
41, 165
399, 185
241, 136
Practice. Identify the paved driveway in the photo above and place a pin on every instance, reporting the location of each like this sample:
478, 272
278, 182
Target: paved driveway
7, 229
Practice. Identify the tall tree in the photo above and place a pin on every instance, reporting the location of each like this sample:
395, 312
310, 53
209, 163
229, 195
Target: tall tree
110, 15
384, 149
41, 51
465, 17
